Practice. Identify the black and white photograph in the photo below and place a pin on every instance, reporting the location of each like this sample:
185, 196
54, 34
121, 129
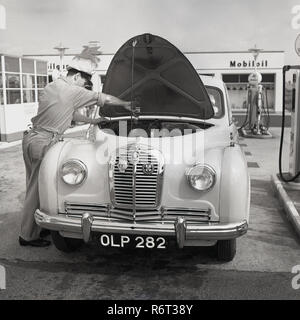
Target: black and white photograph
149, 153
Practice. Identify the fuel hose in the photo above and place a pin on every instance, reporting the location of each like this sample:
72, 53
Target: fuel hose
246, 120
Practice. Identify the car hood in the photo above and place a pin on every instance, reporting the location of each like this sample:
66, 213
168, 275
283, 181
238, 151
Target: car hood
159, 76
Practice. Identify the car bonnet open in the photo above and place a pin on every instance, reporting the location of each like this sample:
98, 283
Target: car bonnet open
153, 71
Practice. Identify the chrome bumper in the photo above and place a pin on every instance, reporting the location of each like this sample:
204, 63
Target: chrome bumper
87, 224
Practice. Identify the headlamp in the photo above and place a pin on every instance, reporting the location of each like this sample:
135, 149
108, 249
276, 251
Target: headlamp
201, 177
73, 172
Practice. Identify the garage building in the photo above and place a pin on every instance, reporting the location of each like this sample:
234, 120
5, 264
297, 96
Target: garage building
233, 67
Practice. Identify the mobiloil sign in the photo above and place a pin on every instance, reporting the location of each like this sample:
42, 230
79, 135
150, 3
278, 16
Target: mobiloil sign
248, 64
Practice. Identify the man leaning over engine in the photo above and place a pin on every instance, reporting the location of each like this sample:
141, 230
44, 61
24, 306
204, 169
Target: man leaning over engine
57, 107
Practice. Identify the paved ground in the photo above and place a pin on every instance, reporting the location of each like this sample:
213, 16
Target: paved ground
261, 269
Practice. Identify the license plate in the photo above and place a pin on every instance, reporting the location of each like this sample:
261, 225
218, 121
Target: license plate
132, 241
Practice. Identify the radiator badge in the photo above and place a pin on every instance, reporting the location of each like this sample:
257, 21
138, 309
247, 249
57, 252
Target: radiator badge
122, 165
134, 154
148, 168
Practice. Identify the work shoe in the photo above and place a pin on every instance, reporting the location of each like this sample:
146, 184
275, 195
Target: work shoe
34, 243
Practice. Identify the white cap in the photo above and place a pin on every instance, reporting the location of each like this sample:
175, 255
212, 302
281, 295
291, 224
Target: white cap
83, 65
85, 62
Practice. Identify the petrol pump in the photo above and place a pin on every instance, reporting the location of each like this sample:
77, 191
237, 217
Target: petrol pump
256, 124
287, 185
294, 156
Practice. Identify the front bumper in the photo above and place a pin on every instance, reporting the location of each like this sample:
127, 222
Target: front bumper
183, 232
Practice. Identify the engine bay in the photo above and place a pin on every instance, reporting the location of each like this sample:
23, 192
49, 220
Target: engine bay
153, 128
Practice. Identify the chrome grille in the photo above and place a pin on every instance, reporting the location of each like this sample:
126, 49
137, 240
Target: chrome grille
134, 188
146, 185
123, 190
158, 216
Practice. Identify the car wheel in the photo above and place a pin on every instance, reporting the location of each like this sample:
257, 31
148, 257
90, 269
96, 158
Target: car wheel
65, 244
226, 249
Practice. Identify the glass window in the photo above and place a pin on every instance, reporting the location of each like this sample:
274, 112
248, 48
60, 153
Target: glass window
207, 74
230, 78
268, 77
236, 78
40, 93
217, 99
28, 81
41, 67
244, 78
1, 97
28, 96
12, 80
27, 66
12, 64
13, 96
41, 81
103, 77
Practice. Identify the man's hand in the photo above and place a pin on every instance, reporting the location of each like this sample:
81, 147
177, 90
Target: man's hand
128, 105
99, 120
132, 105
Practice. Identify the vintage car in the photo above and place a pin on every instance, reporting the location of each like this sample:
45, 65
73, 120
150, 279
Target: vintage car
170, 172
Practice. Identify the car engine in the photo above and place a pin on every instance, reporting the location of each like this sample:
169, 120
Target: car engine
153, 128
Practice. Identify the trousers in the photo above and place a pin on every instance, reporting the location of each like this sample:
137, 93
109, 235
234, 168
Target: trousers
35, 144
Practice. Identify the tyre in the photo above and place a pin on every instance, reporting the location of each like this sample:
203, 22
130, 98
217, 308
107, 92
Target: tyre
226, 250
65, 244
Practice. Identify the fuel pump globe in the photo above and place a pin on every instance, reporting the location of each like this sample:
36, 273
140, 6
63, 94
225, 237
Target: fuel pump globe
255, 78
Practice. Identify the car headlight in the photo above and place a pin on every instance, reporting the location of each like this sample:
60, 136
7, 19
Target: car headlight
201, 177
73, 172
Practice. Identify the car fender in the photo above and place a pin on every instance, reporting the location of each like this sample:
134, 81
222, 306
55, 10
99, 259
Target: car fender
95, 188
48, 178
235, 186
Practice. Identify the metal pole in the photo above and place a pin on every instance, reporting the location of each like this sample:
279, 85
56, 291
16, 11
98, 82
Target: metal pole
61, 50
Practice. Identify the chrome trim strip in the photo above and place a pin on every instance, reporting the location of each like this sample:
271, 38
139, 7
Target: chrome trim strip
165, 214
